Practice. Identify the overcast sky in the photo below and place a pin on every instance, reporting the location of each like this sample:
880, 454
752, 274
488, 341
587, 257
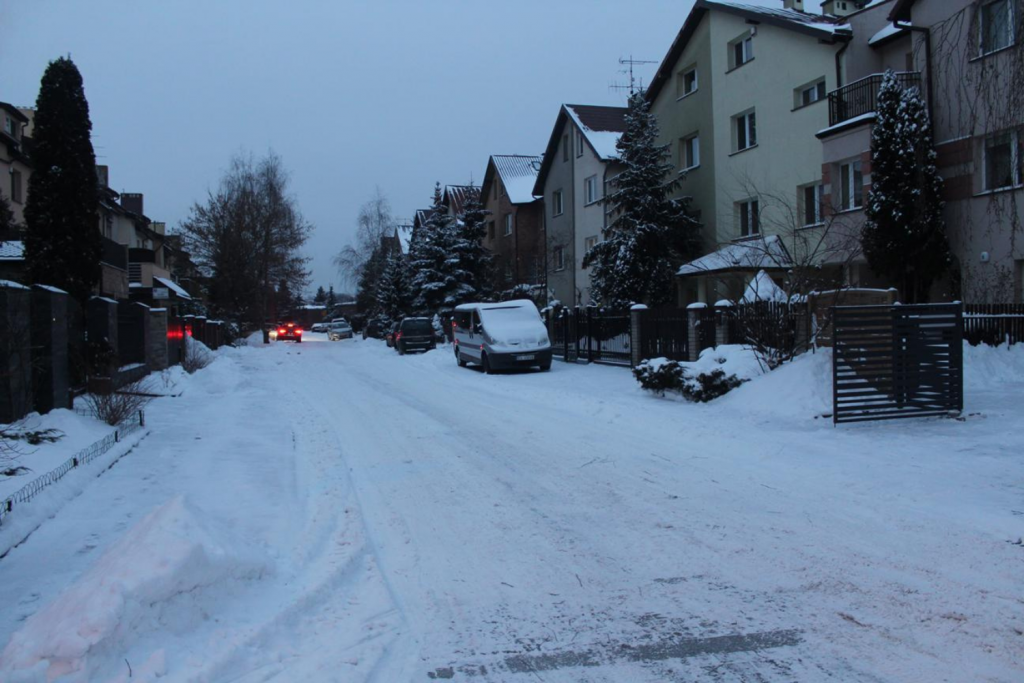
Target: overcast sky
352, 95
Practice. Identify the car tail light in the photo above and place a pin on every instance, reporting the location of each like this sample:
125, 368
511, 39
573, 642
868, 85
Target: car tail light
281, 331
298, 330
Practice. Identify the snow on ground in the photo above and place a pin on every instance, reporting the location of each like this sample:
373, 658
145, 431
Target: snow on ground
335, 511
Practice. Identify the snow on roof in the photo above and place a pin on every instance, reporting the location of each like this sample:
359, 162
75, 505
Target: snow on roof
889, 31
455, 196
12, 250
518, 174
173, 286
313, 307
10, 284
767, 252
848, 123
763, 288
602, 126
105, 298
50, 288
773, 9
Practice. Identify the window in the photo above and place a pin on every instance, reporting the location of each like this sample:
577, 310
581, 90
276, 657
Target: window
742, 51
565, 148
809, 94
495, 188
812, 200
996, 24
579, 144
686, 82
689, 152
16, 187
557, 206
851, 186
745, 128
508, 272
490, 230
749, 220
508, 224
10, 126
559, 258
590, 190
589, 244
1004, 160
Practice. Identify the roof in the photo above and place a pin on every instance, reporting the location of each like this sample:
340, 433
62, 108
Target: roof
421, 217
829, 29
888, 33
601, 127
518, 173
13, 111
756, 254
456, 196
173, 286
12, 250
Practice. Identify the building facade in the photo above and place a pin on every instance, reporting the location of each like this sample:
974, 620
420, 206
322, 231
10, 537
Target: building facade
515, 227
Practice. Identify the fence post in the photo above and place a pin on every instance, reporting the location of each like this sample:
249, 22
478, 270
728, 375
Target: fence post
637, 313
564, 322
693, 312
723, 311
142, 418
590, 336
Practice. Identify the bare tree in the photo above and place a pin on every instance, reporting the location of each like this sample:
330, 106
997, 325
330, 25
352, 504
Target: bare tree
362, 262
246, 238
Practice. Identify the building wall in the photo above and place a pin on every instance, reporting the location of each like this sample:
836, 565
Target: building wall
588, 219
9, 166
519, 256
560, 229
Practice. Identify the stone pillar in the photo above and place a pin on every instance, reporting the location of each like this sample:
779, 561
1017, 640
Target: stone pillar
156, 348
693, 312
199, 329
102, 347
51, 381
188, 323
15, 351
133, 332
637, 313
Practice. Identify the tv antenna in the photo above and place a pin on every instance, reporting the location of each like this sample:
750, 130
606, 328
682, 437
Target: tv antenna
629, 63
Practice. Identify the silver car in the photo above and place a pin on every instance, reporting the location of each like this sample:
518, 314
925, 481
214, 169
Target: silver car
339, 330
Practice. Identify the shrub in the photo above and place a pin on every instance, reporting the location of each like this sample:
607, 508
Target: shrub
196, 356
115, 407
660, 375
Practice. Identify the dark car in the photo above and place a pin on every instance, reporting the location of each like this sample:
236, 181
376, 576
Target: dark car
289, 332
414, 334
371, 330
389, 336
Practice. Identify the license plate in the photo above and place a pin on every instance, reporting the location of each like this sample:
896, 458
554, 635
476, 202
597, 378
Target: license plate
528, 356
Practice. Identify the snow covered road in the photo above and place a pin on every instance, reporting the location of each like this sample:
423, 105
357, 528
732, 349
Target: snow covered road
336, 512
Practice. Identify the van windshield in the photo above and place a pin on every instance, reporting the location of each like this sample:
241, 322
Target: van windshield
416, 327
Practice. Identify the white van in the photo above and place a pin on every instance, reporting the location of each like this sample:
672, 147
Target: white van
500, 336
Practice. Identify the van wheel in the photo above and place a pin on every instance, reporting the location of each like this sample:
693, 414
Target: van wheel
545, 368
486, 365
401, 349
459, 359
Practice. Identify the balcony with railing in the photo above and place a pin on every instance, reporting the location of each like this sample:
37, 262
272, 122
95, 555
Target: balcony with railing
861, 97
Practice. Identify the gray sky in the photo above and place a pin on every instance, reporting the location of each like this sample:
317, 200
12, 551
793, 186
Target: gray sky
352, 95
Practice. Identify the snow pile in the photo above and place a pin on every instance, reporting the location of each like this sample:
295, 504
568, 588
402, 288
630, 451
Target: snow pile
763, 288
154, 579
988, 366
801, 388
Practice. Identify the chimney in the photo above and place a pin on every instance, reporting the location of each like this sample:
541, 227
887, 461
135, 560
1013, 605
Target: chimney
103, 176
797, 5
158, 228
132, 201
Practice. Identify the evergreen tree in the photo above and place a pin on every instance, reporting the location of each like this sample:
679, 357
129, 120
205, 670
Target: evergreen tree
650, 233
320, 297
332, 299
474, 258
904, 236
438, 275
62, 242
8, 228
394, 298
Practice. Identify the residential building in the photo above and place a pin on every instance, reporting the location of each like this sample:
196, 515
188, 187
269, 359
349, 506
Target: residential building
456, 196
738, 99
515, 229
577, 164
15, 167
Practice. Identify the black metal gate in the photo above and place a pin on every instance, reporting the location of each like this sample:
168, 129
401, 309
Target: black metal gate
595, 335
665, 333
897, 361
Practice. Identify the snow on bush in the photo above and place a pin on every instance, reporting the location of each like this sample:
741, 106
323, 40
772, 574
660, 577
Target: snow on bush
717, 372
160, 569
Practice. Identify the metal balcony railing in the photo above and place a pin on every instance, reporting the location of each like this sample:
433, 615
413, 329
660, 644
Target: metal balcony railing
861, 97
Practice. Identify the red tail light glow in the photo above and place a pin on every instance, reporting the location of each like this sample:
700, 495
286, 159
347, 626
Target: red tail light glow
281, 331
298, 330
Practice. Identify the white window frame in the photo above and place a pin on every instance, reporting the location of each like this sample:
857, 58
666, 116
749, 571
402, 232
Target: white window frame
559, 258
17, 187
589, 243
752, 226
1010, 18
590, 194
689, 152
850, 199
1016, 142
818, 203
746, 51
681, 89
557, 203
508, 224
9, 126
811, 93
747, 123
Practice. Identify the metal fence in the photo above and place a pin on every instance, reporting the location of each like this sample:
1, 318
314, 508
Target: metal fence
993, 324
595, 335
665, 333
896, 361
83, 457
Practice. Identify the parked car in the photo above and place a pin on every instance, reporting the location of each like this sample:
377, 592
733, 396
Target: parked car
371, 330
318, 327
500, 336
414, 334
289, 331
339, 330
389, 336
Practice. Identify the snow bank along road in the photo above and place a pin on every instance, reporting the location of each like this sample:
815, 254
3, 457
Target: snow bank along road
335, 512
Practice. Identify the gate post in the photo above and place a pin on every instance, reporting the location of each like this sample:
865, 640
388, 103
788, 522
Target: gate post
637, 313
693, 312
590, 336
723, 310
